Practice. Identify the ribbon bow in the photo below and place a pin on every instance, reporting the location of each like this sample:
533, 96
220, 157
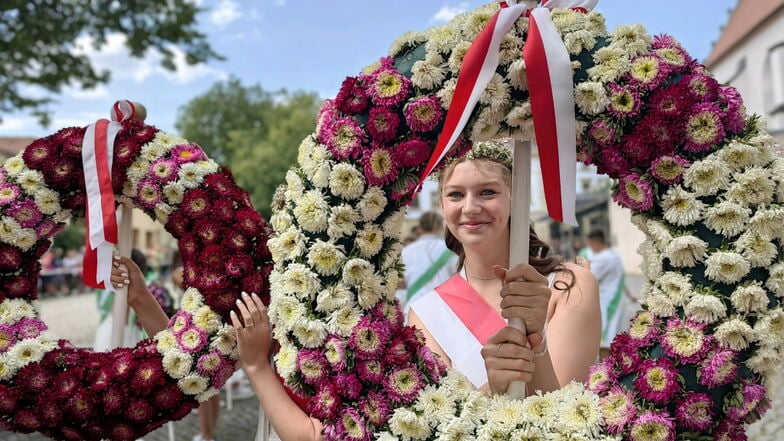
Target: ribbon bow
550, 85
97, 158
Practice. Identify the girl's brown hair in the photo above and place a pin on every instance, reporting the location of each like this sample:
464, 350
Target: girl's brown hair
539, 255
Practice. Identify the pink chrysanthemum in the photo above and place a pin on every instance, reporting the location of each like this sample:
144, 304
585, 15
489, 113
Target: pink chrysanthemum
391, 313
239, 265
113, 400
611, 162
223, 185
638, 149
249, 222
8, 193
372, 371
325, 404
352, 98
652, 426
187, 153
703, 87
369, 338
164, 170
755, 400
729, 431
380, 167
375, 408
672, 101
657, 380
669, 169
335, 352
600, 376
388, 87
618, 408
32, 377
423, 114
382, 124
732, 103
354, 426
209, 363
704, 128
685, 341
624, 102
29, 328
404, 384
312, 365
64, 385
644, 327
660, 132
344, 138
434, 366
80, 406
25, 213
123, 365
223, 209
635, 192
403, 190
647, 72
398, 353
348, 385
694, 412
47, 229
149, 194
604, 132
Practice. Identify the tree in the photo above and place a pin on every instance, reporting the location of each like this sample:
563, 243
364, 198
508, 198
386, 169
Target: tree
254, 132
37, 43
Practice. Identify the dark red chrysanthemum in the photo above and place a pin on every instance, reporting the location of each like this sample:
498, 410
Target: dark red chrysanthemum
195, 203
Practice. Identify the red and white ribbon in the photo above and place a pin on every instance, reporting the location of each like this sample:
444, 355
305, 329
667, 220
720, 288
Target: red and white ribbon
550, 85
123, 110
97, 154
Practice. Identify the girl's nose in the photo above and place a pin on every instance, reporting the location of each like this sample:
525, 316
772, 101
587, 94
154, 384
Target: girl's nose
472, 204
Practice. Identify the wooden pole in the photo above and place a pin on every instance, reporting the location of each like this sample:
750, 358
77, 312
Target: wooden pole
519, 239
120, 305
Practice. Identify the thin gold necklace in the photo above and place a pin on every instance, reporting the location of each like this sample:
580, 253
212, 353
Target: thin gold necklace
468, 273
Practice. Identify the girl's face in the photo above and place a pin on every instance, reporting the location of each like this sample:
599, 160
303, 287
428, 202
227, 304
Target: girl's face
477, 205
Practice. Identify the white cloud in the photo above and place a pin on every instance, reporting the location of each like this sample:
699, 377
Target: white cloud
98, 92
225, 13
447, 13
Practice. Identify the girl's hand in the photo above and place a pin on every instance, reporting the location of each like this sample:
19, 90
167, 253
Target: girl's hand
253, 332
507, 358
125, 272
524, 294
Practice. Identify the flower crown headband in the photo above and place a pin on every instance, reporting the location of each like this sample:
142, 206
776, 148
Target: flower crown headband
497, 151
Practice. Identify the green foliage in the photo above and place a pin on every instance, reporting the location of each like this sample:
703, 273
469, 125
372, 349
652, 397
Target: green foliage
254, 132
38, 43
72, 237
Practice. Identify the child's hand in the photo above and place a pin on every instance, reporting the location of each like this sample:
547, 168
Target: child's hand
253, 332
126, 273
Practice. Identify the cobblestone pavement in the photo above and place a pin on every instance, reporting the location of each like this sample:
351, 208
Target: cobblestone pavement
76, 317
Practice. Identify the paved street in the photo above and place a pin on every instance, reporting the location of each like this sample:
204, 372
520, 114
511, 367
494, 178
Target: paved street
76, 318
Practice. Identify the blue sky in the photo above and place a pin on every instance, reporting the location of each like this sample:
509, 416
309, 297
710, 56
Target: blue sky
313, 45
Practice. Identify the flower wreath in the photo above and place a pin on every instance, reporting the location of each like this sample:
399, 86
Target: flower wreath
697, 173
69, 393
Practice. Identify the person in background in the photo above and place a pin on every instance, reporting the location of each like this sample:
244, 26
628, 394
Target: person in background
427, 260
607, 266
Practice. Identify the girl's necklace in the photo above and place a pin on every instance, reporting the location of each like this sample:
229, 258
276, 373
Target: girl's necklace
468, 273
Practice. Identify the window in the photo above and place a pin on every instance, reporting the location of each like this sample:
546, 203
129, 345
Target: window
773, 80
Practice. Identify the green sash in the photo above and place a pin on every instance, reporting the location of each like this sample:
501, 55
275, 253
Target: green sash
613, 306
429, 274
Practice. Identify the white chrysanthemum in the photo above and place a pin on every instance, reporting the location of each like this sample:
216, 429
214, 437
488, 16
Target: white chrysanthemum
176, 363
320, 178
520, 115
326, 257
393, 225
581, 410
207, 394
289, 245
442, 38
25, 239
298, 279
191, 300
369, 240
768, 222
206, 319
775, 280
281, 220
191, 174
174, 191
686, 251
707, 177
609, 64
705, 308
346, 181
676, 286
390, 280
651, 260
407, 40
565, 20
727, 218
756, 248
162, 212
538, 409
726, 267
632, 39
429, 73
659, 233
14, 165
517, 75
193, 384
30, 180
372, 204
738, 155
7, 368
138, 171
735, 333
342, 221
305, 150
766, 361
9, 229
447, 92
505, 414
457, 55
408, 425
591, 97
660, 304
370, 291
47, 201
769, 328
153, 150
752, 187
682, 207
486, 127
27, 351
751, 297
312, 211
294, 186
286, 359
286, 310
13, 310
310, 332
334, 297
391, 255
435, 404
497, 93
225, 341
165, 340
356, 270
455, 429
343, 321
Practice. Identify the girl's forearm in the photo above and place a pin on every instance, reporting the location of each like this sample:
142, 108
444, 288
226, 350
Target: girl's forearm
150, 313
544, 378
289, 421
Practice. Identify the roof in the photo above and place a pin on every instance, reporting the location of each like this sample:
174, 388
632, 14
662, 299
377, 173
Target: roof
10, 146
745, 18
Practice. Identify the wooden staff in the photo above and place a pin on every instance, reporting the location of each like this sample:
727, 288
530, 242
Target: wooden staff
120, 305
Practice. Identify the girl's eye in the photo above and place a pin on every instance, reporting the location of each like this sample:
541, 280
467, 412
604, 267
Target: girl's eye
489, 192
454, 194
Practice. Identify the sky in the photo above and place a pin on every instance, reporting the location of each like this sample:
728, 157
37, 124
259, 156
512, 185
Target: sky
312, 45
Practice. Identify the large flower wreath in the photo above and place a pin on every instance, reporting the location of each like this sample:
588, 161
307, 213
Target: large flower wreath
69, 393
698, 174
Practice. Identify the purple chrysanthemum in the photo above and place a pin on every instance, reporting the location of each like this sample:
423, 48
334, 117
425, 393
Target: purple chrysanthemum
434, 366
187, 153
703, 87
335, 352
352, 98
704, 128
719, 369
28, 328
611, 162
312, 365
694, 412
423, 114
624, 102
375, 408
10, 257
8, 193
600, 376
344, 137
193, 340
382, 124
209, 363
147, 376
369, 338
371, 371
755, 400
404, 384
657, 380
604, 132
618, 408
635, 192
47, 229
685, 341
380, 167
647, 72
164, 170
326, 402
149, 194
354, 426
652, 426
388, 87
25, 212
348, 385
398, 353
734, 111
669, 169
